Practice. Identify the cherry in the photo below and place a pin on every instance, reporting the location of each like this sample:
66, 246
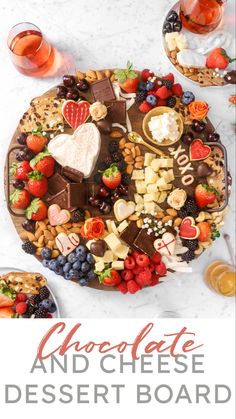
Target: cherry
198, 126
29, 225
122, 189
187, 138
213, 137
115, 197
68, 80
104, 192
21, 139
24, 154
61, 91
72, 94
105, 208
18, 184
82, 85
94, 201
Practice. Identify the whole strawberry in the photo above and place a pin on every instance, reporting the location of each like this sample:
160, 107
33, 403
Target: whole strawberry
36, 141
204, 195
127, 79
37, 210
21, 170
111, 177
20, 199
37, 184
219, 58
43, 163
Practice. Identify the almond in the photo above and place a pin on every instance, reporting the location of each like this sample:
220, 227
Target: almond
127, 151
91, 74
137, 150
129, 159
172, 212
41, 240
139, 223
139, 158
133, 152
99, 75
116, 134
133, 217
160, 215
122, 143
42, 225
55, 254
107, 73
129, 145
166, 218
48, 235
80, 75
177, 222
129, 169
138, 165
60, 229
23, 235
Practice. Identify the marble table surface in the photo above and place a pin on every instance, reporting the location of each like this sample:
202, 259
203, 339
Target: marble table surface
102, 35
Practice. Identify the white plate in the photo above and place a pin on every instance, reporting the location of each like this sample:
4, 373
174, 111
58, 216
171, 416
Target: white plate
5, 270
226, 23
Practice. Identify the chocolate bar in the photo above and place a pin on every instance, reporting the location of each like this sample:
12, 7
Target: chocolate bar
102, 90
77, 194
56, 184
130, 234
60, 199
145, 242
116, 111
72, 174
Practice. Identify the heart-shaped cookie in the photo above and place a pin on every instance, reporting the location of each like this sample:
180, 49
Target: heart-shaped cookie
58, 216
66, 244
80, 150
198, 150
76, 113
123, 209
188, 229
165, 245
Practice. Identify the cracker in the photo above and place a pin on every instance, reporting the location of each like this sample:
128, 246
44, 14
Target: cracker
25, 282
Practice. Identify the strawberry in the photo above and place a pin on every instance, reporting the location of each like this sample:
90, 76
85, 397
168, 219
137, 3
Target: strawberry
177, 90
204, 195
37, 140
127, 79
111, 177
163, 92
205, 231
21, 170
21, 308
145, 107
132, 287
20, 199
37, 210
161, 102
6, 313
170, 77
7, 296
146, 74
37, 184
218, 58
122, 287
232, 99
109, 277
43, 163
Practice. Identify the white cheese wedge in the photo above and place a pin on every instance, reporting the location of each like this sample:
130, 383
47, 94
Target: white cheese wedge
167, 187
162, 197
161, 182
181, 41
150, 207
138, 199
149, 197
114, 228
150, 175
121, 251
190, 58
118, 265
141, 187
152, 188
148, 158
99, 266
170, 39
156, 165
122, 226
108, 224
112, 241
138, 175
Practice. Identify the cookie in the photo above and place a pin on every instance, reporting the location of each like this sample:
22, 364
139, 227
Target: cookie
25, 282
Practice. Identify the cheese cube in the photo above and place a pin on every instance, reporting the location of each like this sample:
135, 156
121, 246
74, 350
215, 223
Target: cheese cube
139, 208
108, 224
149, 197
148, 158
150, 207
114, 229
165, 163
112, 241
118, 265
108, 256
121, 251
138, 175
138, 198
140, 186
99, 266
156, 164
122, 226
171, 175
150, 175
152, 188
166, 187
161, 182
162, 197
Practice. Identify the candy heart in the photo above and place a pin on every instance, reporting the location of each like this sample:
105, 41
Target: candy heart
57, 216
123, 209
165, 245
76, 113
80, 150
188, 229
66, 244
198, 150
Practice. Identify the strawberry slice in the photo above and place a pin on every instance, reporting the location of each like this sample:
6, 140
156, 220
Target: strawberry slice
6, 313
112, 177
7, 296
127, 79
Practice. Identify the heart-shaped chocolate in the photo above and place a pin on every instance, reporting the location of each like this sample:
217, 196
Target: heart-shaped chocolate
188, 229
98, 248
165, 245
66, 244
123, 209
204, 170
58, 216
79, 150
76, 113
198, 150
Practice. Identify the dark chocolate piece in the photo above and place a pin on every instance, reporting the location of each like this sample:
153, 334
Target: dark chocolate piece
130, 234
56, 184
204, 170
98, 248
77, 194
104, 126
72, 174
145, 242
117, 111
60, 199
102, 90
230, 77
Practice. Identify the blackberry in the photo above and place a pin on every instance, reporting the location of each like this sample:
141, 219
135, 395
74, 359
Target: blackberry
97, 178
191, 206
188, 256
182, 213
44, 293
190, 244
140, 96
171, 101
126, 179
113, 147
79, 215
34, 300
29, 247
167, 83
117, 156
121, 165
30, 311
108, 161
102, 166
40, 314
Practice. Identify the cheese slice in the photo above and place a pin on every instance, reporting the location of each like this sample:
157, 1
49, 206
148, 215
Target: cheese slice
118, 265
122, 226
99, 266
141, 187
121, 251
108, 224
112, 241
190, 58
150, 175
138, 198
138, 175
148, 158
114, 228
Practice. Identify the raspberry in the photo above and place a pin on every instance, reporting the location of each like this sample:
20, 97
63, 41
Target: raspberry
144, 278
129, 263
142, 261
151, 267
21, 308
170, 77
135, 254
132, 287
20, 298
163, 92
146, 73
161, 269
127, 275
177, 90
122, 287
155, 280
161, 102
137, 270
145, 107
156, 259
49, 316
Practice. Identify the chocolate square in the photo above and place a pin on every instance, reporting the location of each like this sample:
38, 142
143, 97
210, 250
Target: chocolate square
145, 242
56, 184
60, 199
130, 234
72, 174
77, 194
102, 90
116, 110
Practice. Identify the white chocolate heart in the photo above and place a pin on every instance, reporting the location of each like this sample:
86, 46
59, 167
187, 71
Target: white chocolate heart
79, 150
58, 216
165, 245
66, 244
123, 209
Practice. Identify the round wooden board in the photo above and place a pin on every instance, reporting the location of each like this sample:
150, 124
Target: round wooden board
136, 118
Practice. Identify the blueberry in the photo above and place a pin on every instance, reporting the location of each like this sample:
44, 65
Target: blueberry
90, 258
52, 308
80, 249
59, 270
91, 275
80, 274
61, 260
53, 265
68, 276
45, 304
81, 257
67, 267
46, 253
72, 257
74, 273
77, 265
187, 98
150, 85
85, 267
152, 100
142, 85
83, 282
45, 263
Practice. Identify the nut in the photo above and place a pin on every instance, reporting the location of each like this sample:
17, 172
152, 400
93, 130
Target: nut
133, 217
139, 159
177, 222
99, 75
167, 218
60, 229
172, 212
122, 143
160, 215
127, 151
48, 235
139, 223
133, 152
129, 169
129, 159
138, 165
91, 74
55, 253
116, 134
137, 150
38, 233
129, 145
107, 73
80, 75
